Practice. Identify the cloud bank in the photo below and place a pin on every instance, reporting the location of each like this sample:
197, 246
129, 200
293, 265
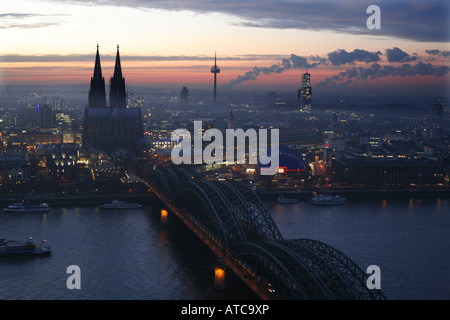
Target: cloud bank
418, 20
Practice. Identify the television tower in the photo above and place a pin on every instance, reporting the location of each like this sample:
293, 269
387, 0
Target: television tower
215, 69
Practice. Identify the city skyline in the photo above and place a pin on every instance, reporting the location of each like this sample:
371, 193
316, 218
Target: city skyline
319, 169
172, 44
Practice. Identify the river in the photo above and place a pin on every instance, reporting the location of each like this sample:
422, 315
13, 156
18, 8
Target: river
128, 254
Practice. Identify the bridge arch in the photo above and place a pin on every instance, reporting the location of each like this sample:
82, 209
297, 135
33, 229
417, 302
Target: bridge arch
235, 218
159, 182
267, 271
255, 220
204, 205
353, 276
259, 211
312, 284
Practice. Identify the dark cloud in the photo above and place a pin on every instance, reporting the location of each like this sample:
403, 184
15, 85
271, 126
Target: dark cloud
418, 20
436, 52
398, 55
340, 56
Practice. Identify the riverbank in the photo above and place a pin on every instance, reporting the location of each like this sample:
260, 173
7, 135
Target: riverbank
359, 193
148, 197
88, 200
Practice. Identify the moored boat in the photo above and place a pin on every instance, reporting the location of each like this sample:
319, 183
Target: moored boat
327, 199
116, 204
26, 207
13, 247
283, 200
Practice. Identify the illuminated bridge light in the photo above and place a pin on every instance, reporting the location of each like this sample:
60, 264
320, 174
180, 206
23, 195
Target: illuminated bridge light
164, 216
219, 278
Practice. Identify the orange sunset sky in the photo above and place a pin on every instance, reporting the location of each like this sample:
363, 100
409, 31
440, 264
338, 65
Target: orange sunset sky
172, 43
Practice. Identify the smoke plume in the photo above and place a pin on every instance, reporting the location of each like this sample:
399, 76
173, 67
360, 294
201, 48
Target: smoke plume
293, 62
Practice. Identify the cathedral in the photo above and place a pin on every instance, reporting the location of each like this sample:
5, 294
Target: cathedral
113, 127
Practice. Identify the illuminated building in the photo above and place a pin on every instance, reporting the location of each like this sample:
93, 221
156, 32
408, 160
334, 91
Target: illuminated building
63, 120
304, 94
14, 167
373, 142
32, 139
333, 148
291, 162
106, 173
139, 103
160, 136
61, 161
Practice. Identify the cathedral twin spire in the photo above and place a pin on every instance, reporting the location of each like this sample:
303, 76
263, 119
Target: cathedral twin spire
97, 68
117, 94
97, 95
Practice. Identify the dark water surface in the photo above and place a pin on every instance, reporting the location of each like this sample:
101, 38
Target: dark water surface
127, 254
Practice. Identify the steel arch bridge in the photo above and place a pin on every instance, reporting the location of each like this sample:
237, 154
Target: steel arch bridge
231, 219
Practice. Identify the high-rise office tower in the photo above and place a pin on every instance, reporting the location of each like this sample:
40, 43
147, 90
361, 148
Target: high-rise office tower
184, 95
57, 103
215, 69
117, 93
45, 116
437, 114
97, 95
304, 94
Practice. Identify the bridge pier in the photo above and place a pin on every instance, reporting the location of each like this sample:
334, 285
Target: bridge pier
226, 279
167, 217
220, 278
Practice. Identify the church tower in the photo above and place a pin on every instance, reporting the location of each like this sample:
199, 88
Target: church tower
117, 94
97, 95
115, 127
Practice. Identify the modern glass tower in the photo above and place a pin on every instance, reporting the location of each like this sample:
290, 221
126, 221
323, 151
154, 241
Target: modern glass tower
304, 94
